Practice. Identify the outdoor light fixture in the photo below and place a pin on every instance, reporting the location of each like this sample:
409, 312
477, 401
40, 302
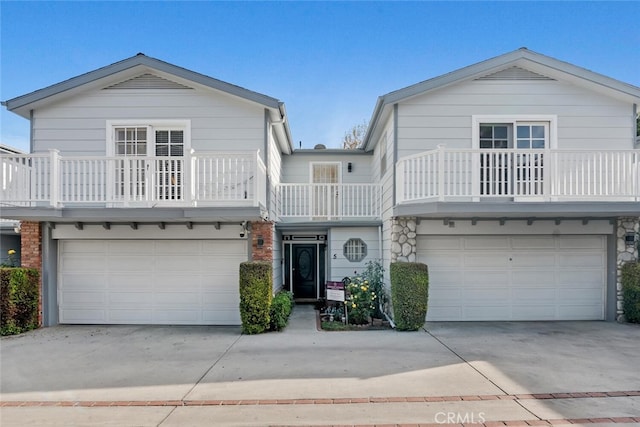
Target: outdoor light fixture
349, 167
260, 241
630, 239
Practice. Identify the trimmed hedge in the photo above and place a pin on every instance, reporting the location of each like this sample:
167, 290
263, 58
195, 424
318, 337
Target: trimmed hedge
19, 291
256, 284
631, 291
409, 294
280, 310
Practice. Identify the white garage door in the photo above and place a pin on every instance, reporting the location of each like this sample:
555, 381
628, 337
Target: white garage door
192, 282
515, 277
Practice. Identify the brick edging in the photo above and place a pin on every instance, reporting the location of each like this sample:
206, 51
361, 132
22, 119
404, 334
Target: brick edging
321, 401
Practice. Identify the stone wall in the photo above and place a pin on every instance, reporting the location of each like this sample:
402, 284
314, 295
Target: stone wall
403, 239
624, 254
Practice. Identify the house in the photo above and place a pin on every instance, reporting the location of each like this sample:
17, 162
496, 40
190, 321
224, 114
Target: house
515, 179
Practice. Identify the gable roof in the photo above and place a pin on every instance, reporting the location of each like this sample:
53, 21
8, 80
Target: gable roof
20, 104
511, 64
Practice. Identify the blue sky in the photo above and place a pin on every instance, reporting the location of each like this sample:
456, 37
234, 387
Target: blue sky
328, 61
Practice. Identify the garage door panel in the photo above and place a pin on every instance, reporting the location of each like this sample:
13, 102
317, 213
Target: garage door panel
486, 260
584, 276
476, 296
487, 243
81, 262
127, 316
130, 247
534, 312
165, 282
532, 242
590, 260
484, 278
531, 259
535, 295
130, 263
128, 299
581, 242
440, 243
84, 298
536, 278
84, 281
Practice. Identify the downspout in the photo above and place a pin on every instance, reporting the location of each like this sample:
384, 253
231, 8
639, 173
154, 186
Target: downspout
391, 323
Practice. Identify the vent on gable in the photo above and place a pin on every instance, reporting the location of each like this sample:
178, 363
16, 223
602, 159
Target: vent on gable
514, 73
147, 81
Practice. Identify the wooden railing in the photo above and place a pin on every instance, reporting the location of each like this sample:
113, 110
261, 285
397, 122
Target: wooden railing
329, 202
524, 175
198, 179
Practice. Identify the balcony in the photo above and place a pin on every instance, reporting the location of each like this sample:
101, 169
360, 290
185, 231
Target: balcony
200, 179
448, 175
328, 202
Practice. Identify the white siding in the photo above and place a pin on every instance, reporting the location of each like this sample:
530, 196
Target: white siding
274, 168
586, 120
296, 169
277, 262
340, 266
76, 126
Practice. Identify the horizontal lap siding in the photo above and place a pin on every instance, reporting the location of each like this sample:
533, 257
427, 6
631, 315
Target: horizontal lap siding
77, 126
586, 120
296, 169
340, 266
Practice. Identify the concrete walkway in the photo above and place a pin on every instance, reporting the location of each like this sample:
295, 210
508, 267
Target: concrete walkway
486, 373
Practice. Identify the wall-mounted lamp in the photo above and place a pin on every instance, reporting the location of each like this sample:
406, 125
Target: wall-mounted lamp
630, 239
260, 241
349, 167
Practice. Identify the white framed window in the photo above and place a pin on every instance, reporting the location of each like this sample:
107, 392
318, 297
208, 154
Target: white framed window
520, 132
383, 154
355, 250
148, 137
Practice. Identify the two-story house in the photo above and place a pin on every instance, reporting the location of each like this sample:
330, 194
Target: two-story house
516, 180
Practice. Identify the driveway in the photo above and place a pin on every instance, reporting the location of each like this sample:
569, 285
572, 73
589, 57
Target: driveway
486, 372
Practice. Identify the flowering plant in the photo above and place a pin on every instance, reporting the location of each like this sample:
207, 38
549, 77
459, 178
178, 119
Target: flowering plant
11, 259
360, 300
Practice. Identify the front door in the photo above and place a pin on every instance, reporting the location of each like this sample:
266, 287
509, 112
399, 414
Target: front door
305, 269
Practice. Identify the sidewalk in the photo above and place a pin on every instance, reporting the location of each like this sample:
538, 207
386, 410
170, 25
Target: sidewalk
303, 376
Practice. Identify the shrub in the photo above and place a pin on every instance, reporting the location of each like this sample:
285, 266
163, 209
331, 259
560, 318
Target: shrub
19, 291
360, 300
631, 291
409, 294
255, 296
280, 310
374, 274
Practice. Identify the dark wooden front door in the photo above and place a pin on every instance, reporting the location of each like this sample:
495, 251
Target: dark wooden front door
305, 280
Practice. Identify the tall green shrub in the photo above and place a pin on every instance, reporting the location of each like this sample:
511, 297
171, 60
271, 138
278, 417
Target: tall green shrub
256, 284
280, 309
631, 291
409, 294
19, 290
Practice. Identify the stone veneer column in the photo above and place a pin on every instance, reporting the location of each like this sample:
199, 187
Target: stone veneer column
403, 239
624, 254
31, 254
262, 231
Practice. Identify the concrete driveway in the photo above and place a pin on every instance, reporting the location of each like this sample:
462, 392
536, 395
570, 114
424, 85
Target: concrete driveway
480, 372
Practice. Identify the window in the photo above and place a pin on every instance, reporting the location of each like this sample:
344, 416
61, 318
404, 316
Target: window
355, 250
131, 141
534, 132
383, 154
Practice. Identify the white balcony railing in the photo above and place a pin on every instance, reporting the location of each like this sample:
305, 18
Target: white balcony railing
524, 175
328, 201
199, 179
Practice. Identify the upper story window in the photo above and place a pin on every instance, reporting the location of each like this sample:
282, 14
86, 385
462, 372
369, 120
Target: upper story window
130, 141
520, 132
156, 138
383, 154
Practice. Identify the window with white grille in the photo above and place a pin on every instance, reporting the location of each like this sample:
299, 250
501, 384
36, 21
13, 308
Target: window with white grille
355, 250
